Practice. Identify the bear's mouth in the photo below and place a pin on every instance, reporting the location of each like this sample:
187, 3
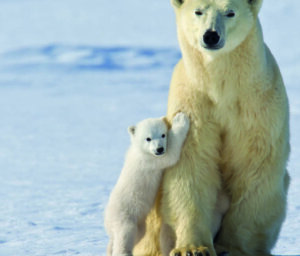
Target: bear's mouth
213, 48
159, 153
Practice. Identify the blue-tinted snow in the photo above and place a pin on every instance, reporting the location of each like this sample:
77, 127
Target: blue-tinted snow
73, 75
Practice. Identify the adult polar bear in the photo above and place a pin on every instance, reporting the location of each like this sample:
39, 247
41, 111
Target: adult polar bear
230, 86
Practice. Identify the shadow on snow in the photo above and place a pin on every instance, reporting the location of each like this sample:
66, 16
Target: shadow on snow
89, 58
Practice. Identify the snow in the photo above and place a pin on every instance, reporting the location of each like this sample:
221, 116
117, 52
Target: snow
74, 74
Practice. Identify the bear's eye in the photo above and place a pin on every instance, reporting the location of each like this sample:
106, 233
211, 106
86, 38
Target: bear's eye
198, 13
148, 139
230, 14
163, 136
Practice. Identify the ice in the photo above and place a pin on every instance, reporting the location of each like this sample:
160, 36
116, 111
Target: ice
73, 76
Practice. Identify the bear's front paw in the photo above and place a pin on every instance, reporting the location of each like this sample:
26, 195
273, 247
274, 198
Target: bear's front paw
191, 251
181, 120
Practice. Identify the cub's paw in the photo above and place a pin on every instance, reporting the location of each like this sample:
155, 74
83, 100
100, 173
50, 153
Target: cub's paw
181, 120
191, 251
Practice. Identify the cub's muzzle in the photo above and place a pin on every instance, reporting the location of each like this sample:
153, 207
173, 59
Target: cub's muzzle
160, 151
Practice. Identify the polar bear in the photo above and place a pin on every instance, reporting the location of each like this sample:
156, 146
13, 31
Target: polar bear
153, 148
229, 84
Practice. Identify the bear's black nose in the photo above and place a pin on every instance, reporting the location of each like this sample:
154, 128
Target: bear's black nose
160, 150
211, 38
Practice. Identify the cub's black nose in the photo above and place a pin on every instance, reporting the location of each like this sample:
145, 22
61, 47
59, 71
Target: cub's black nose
160, 150
211, 38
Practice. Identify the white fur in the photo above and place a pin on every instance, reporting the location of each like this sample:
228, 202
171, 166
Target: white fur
238, 140
135, 191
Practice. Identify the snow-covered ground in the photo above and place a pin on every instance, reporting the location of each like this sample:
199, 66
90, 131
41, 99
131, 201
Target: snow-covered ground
73, 75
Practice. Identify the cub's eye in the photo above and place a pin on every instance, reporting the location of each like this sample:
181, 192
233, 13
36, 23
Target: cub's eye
163, 136
198, 12
231, 14
148, 139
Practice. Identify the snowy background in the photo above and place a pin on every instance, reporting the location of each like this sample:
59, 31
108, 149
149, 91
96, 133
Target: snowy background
74, 74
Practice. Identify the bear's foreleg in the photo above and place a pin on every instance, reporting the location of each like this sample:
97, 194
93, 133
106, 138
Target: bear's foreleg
190, 192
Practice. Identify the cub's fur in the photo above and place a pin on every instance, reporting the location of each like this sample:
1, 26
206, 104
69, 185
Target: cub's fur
153, 148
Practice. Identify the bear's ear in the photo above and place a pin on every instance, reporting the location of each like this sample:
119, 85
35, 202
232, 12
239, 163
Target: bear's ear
131, 130
177, 3
255, 5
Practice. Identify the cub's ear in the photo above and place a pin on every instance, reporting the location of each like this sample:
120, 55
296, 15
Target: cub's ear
255, 5
131, 130
177, 3
166, 121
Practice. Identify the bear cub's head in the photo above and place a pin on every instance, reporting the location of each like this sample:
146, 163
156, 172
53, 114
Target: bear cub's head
150, 136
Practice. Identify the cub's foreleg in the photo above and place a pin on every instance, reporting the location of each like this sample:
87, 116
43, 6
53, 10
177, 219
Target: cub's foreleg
176, 137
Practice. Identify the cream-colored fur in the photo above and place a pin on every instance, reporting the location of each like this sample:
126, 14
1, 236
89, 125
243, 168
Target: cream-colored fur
238, 140
153, 148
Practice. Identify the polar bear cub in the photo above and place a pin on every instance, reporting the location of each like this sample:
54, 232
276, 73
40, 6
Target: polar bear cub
153, 148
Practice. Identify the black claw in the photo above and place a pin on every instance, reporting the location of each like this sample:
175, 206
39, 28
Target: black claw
223, 253
177, 254
198, 254
207, 253
189, 253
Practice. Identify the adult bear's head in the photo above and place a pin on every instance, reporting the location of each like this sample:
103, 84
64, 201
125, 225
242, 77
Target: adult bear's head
215, 26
